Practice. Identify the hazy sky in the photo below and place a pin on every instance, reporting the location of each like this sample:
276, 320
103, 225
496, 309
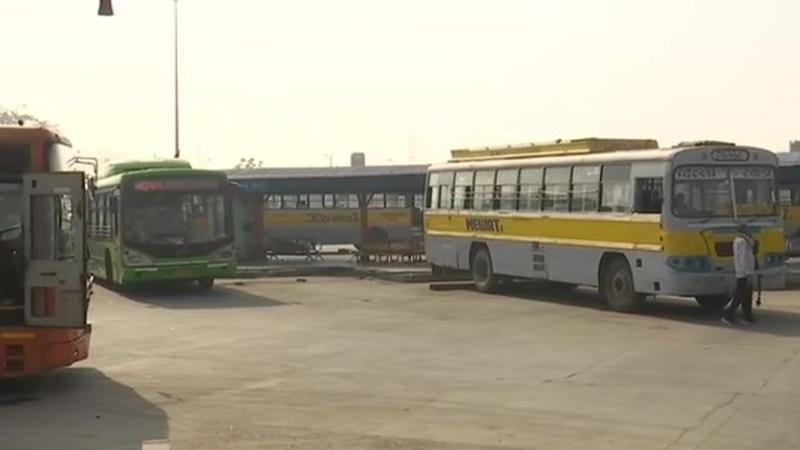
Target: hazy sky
289, 82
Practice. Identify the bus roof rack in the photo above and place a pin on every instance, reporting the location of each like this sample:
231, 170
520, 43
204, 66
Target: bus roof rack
706, 143
554, 148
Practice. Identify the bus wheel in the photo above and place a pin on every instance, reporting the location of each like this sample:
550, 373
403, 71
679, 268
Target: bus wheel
109, 269
713, 302
205, 283
616, 285
482, 271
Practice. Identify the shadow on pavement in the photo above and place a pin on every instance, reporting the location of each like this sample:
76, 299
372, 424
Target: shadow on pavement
189, 297
76, 409
770, 321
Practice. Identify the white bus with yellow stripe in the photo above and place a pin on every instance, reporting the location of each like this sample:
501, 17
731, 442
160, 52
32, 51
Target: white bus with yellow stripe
622, 215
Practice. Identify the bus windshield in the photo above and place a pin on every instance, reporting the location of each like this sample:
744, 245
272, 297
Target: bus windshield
710, 191
174, 218
10, 211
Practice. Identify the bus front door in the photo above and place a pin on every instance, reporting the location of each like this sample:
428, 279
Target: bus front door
55, 250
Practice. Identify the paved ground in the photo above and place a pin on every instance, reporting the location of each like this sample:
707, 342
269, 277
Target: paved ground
338, 363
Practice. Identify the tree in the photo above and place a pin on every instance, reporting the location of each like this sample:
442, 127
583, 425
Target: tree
13, 117
249, 163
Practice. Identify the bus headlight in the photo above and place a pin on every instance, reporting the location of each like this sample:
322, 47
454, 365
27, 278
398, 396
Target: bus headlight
136, 259
774, 260
690, 263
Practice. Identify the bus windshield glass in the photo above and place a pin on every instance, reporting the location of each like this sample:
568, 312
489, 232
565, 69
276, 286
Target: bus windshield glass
10, 211
174, 218
710, 191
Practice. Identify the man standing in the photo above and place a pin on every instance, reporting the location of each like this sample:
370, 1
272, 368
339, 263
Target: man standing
744, 265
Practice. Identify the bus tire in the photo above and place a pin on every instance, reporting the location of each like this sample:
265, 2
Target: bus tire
616, 285
109, 269
483, 272
205, 283
713, 302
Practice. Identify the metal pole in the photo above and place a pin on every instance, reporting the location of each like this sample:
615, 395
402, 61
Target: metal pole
177, 111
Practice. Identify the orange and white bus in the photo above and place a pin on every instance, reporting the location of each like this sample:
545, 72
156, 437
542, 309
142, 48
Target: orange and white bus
44, 287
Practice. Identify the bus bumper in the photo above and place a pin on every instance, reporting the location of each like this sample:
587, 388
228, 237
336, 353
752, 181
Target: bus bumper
715, 283
188, 272
31, 351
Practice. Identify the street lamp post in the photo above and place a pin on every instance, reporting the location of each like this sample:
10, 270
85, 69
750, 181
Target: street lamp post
177, 111
106, 9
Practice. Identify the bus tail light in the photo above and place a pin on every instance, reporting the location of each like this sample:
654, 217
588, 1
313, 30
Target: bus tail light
44, 301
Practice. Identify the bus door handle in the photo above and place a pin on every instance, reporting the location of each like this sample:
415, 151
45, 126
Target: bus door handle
48, 274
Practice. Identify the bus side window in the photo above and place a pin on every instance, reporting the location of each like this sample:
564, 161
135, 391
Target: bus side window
327, 201
649, 195
315, 201
506, 189
585, 188
556, 189
272, 201
376, 201
484, 190
432, 195
616, 188
530, 189
463, 192
114, 210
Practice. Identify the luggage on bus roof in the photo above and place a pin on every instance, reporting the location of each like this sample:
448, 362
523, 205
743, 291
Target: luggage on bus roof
555, 148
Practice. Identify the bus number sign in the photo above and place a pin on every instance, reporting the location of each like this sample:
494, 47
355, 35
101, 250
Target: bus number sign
753, 173
176, 184
701, 173
730, 155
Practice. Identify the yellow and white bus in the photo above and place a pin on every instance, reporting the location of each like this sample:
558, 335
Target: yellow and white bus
789, 197
599, 212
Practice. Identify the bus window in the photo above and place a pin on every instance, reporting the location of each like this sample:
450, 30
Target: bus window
376, 201
272, 201
790, 195
556, 189
462, 193
530, 189
484, 190
395, 200
418, 201
327, 201
342, 201
439, 190
114, 211
507, 189
585, 188
315, 201
649, 195
288, 202
754, 189
43, 227
616, 187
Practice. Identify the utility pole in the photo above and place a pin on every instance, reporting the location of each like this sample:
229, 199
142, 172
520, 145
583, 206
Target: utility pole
177, 110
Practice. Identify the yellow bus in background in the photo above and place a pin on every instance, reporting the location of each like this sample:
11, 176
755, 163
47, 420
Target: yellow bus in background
789, 195
623, 215
335, 219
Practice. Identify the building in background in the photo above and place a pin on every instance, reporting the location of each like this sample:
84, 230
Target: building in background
794, 146
358, 159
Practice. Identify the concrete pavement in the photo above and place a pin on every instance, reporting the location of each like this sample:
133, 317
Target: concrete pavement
337, 363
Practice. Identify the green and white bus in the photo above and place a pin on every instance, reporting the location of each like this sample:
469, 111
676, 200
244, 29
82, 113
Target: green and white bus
161, 221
